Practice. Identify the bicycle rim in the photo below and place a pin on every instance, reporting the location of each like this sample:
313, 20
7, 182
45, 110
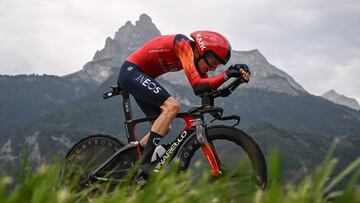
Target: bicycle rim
91, 152
239, 155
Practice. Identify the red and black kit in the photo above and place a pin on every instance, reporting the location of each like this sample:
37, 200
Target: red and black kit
160, 55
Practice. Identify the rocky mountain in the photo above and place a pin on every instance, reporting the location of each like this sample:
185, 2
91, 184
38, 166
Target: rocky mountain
27, 97
126, 40
265, 76
333, 96
7, 153
52, 113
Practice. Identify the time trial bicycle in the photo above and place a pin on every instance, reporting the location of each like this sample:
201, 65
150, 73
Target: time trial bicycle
104, 158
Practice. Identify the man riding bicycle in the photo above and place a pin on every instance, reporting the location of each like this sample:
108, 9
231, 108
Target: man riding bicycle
167, 54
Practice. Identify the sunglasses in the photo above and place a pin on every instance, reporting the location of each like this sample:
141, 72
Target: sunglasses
208, 63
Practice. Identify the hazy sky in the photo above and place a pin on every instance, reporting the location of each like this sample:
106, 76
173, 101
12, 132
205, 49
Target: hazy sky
317, 42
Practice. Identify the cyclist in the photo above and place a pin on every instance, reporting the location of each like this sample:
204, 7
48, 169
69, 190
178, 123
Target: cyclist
170, 53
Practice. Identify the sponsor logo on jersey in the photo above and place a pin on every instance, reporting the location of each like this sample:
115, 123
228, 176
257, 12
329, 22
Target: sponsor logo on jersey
130, 68
148, 84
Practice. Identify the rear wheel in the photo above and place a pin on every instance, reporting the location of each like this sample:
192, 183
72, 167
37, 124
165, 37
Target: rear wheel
240, 157
89, 153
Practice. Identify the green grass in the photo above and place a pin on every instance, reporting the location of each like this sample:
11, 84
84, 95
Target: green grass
44, 185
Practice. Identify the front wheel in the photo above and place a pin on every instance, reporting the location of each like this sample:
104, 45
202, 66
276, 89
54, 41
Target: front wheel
237, 152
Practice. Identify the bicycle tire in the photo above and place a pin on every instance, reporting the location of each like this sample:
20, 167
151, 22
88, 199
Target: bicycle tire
238, 138
89, 153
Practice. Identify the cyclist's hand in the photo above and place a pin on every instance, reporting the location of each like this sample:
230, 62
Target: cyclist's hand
245, 71
239, 71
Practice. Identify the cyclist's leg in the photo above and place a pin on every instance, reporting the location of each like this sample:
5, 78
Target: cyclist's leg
169, 110
162, 124
151, 93
149, 110
159, 129
151, 97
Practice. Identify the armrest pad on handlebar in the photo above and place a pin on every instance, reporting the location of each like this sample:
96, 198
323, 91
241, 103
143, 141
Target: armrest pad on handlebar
225, 92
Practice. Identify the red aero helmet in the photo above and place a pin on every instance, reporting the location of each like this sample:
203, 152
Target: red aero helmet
208, 42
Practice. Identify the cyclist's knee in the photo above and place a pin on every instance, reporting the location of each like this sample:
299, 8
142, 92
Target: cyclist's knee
171, 105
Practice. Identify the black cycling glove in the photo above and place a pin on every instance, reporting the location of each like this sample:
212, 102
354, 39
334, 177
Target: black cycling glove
235, 71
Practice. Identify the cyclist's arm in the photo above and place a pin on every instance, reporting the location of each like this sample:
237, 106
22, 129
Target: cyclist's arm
185, 53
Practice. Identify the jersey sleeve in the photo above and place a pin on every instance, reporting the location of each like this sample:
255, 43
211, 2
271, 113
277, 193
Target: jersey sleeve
184, 52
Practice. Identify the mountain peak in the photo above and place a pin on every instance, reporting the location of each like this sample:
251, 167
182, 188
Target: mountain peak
128, 24
265, 75
144, 18
127, 39
337, 98
332, 91
255, 51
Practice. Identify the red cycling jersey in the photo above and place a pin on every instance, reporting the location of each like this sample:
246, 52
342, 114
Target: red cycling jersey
172, 53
